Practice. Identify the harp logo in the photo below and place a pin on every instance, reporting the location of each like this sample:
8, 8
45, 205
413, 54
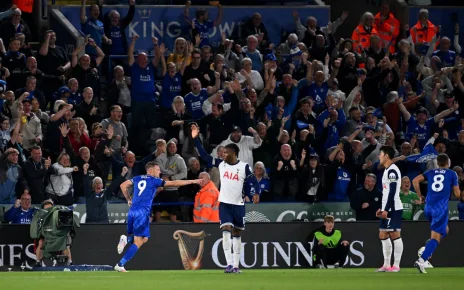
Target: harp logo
256, 217
191, 248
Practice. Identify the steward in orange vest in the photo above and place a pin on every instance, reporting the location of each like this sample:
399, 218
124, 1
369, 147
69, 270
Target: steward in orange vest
388, 28
362, 33
424, 30
206, 208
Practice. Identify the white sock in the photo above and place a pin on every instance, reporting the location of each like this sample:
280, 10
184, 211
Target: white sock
227, 246
398, 244
387, 252
237, 242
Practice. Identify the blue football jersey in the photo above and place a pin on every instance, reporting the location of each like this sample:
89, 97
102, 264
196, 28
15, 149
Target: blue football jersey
145, 187
439, 188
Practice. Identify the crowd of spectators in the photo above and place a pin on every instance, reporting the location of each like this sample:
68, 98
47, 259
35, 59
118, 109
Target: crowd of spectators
309, 114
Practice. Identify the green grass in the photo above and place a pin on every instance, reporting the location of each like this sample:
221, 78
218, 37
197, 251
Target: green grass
331, 279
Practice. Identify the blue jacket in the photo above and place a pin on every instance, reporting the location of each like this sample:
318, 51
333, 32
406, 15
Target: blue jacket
16, 215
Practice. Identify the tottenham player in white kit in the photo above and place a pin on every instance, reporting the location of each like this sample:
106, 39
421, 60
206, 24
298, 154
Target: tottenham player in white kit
233, 174
391, 211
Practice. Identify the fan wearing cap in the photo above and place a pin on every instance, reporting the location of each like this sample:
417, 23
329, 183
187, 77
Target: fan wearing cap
12, 180
32, 128
421, 125
270, 63
372, 115
246, 144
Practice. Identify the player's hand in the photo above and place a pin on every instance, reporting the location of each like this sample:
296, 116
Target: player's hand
345, 243
247, 199
378, 212
384, 215
256, 198
365, 205
197, 181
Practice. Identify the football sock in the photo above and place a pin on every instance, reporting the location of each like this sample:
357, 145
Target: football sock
398, 251
227, 246
429, 249
130, 239
128, 255
237, 242
387, 252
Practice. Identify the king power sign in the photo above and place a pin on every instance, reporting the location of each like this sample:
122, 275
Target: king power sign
167, 22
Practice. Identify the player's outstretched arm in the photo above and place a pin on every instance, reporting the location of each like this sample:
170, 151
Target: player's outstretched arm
178, 183
124, 187
416, 183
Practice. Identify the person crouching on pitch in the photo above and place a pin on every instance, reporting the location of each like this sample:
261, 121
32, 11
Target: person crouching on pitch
329, 248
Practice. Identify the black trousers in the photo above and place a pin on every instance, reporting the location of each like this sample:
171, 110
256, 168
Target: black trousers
330, 256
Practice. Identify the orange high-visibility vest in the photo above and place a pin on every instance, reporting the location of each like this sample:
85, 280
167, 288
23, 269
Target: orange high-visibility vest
206, 208
24, 5
420, 36
388, 31
361, 38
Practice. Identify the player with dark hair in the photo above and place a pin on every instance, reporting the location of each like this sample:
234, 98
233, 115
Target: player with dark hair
138, 218
233, 174
440, 183
391, 211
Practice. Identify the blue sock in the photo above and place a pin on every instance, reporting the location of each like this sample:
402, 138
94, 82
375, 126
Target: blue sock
129, 255
429, 249
130, 239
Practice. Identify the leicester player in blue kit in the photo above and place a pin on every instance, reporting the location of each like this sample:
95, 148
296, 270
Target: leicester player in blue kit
138, 218
440, 183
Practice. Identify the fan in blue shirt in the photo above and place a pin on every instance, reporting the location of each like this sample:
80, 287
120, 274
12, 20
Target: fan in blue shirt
447, 56
421, 126
195, 99
172, 80
201, 25
21, 212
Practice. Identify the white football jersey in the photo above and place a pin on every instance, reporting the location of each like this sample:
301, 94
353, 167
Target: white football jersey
391, 183
232, 181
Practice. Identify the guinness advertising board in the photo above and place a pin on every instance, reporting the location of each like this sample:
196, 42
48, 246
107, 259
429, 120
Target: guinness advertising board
264, 246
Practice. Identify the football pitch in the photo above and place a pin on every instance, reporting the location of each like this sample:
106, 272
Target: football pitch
330, 279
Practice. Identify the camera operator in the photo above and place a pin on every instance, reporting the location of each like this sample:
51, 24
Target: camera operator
47, 206
328, 246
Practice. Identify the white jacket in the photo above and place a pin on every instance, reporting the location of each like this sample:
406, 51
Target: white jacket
60, 180
246, 146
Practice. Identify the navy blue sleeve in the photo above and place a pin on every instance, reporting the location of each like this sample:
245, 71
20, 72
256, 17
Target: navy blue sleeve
393, 178
250, 179
205, 156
